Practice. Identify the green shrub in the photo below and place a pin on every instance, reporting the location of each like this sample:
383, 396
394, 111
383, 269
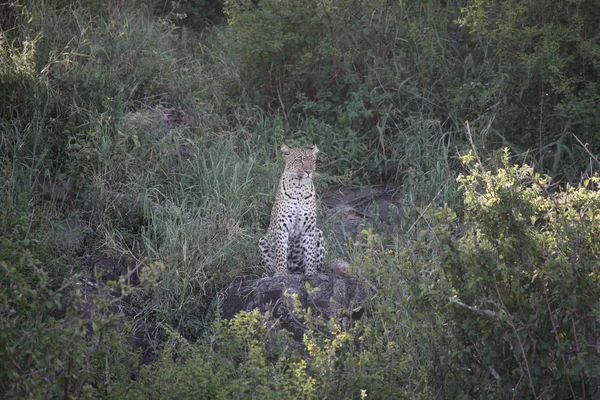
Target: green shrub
245, 358
361, 74
548, 54
516, 295
51, 335
351, 76
250, 357
171, 160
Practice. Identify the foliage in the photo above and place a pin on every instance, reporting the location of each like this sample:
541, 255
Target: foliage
349, 74
51, 334
517, 293
200, 238
233, 364
18, 80
548, 53
367, 71
71, 70
193, 13
127, 123
250, 357
167, 139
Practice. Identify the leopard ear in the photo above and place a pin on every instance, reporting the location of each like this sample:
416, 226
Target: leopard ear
285, 149
315, 149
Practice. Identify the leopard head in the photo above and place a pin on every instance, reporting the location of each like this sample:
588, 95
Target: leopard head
300, 162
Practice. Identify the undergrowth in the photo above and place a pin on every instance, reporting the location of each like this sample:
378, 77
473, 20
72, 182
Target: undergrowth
159, 142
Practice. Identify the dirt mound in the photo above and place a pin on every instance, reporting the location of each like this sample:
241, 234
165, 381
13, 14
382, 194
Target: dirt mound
358, 206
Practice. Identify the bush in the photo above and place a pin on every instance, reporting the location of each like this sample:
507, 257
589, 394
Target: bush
171, 160
362, 74
548, 55
350, 75
516, 295
250, 357
59, 339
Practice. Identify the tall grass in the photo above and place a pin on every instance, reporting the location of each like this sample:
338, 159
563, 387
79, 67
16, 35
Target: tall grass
202, 225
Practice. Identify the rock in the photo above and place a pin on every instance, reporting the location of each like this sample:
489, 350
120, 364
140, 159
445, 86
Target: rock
113, 267
58, 191
340, 267
359, 206
329, 295
69, 236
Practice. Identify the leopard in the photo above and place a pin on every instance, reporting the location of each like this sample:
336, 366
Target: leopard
293, 243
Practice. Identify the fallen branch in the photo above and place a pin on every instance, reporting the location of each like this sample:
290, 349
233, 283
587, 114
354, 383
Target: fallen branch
487, 313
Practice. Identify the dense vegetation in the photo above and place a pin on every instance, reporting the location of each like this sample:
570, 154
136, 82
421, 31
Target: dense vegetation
151, 130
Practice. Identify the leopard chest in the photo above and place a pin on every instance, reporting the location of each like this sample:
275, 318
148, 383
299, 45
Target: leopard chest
296, 209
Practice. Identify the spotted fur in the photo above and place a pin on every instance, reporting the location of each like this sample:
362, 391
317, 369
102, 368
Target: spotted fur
293, 244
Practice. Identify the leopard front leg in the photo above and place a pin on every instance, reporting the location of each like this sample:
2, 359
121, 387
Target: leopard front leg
281, 243
311, 252
267, 252
320, 252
